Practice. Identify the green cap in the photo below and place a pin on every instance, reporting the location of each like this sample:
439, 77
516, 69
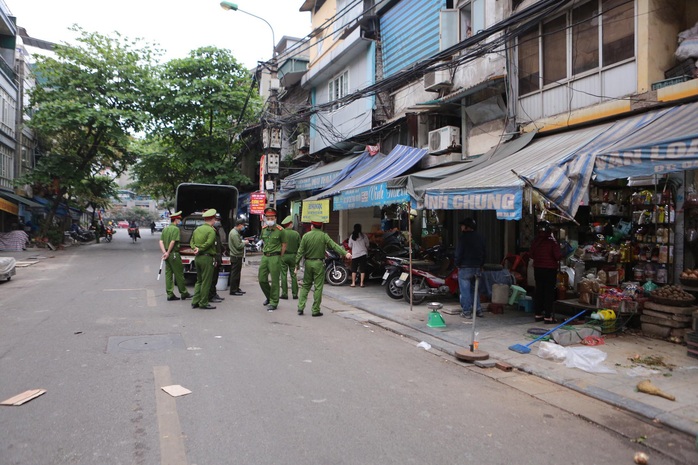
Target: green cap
209, 213
176, 215
287, 220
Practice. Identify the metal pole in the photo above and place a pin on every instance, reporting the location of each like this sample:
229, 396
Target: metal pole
409, 245
475, 299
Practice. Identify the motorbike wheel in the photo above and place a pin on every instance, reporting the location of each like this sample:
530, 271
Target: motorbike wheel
416, 300
393, 291
336, 275
108, 238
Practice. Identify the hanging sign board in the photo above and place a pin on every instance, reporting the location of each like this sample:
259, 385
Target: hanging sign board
258, 200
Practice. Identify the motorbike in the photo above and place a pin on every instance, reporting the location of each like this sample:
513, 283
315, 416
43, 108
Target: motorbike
253, 244
434, 259
336, 272
134, 233
82, 235
429, 284
109, 233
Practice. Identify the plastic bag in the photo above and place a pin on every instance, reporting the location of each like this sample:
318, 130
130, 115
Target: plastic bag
584, 358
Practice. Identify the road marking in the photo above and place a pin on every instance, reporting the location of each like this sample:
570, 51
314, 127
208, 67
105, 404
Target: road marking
150, 297
172, 450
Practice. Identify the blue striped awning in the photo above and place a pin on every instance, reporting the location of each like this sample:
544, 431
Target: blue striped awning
379, 168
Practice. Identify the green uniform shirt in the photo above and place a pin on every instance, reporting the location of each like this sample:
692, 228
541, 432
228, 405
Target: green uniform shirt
171, 234
237, 248
272, 239
292, 239
314, 244
204, 238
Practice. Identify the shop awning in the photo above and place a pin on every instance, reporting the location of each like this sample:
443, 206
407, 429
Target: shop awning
19, 199
319, 177
378, 169
561, 166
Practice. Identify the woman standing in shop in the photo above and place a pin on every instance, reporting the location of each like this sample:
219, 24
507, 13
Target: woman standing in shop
358, 243
546, 255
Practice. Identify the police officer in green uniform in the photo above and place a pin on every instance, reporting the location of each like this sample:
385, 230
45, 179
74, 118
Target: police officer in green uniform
203, 242
174, 272
290, 241
271, 259
312, 249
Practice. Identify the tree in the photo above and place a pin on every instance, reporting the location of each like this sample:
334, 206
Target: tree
88, 102
157, 172
198, 110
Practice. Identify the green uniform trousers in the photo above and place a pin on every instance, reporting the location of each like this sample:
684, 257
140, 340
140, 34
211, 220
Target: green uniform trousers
270, 266
288, 264
204, 276
314, 275
174, 274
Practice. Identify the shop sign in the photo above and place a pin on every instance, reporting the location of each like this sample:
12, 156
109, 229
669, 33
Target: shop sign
258, 200
9, 207
370, 196
507, 202
315, 182
656, 159
316, 210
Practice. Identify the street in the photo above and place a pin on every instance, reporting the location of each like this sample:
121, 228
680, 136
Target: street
92, 326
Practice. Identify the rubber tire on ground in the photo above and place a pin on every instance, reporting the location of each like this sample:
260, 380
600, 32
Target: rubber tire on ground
415, 300
393, 291
337, 275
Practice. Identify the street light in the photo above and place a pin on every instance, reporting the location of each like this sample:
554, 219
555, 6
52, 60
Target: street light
233, 6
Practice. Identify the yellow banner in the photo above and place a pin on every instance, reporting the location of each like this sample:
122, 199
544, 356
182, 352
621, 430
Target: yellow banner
316, 210
9, 207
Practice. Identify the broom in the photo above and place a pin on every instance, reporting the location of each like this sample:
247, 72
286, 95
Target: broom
525, 349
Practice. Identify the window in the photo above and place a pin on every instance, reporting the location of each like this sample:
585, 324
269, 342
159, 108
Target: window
618, 31
338, 88
472, 18
591, 36
585, 38
529, 67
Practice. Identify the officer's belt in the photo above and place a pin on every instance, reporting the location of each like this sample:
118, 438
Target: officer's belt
272, 254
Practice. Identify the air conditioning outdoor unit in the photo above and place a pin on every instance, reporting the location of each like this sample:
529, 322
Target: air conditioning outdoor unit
302, 142
436, 80
443, 139
271, 138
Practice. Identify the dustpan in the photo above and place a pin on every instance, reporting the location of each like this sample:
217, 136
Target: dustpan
435, 319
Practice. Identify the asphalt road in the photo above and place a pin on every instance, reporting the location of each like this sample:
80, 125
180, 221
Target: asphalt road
93, 328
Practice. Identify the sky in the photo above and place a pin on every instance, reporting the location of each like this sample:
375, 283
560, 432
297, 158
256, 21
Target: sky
178, 26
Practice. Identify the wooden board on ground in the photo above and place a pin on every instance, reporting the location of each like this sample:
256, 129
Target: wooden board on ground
24, 397
663, 321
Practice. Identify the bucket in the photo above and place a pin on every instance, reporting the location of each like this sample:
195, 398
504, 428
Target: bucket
500, 293
222, 283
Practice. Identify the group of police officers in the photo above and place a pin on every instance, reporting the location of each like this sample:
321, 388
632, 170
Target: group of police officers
283, 252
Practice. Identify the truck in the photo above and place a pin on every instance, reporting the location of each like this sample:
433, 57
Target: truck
193, 200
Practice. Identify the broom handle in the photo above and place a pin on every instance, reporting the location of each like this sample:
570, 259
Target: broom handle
555, 328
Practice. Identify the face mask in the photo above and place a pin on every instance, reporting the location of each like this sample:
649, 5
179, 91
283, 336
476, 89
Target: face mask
271, 222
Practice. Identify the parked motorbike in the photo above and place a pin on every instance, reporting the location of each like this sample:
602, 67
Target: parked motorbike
336, 272
428, 284
434, 259
82, 235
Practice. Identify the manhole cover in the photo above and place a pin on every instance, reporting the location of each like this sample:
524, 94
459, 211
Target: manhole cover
133, 344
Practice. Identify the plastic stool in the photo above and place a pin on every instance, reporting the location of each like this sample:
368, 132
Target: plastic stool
526, 304
517, 293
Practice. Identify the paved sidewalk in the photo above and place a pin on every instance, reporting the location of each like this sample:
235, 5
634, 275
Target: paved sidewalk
497, 332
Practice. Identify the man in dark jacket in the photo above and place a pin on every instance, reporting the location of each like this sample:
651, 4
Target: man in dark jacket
469, 258
546, 255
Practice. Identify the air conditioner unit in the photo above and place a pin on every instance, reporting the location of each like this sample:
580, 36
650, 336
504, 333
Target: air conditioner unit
302, 142
443, 139
435, 80
271, 138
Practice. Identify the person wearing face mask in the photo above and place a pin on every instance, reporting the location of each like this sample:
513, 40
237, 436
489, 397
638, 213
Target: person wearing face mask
220, 249
236, 244
203, 242
271, 260
289, 246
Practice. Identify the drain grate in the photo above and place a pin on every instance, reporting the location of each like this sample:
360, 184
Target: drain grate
134, 344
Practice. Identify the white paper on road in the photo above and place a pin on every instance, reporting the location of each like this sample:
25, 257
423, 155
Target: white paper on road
175, 390
424, 345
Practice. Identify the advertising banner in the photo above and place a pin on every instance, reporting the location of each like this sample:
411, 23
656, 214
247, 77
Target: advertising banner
316, 210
